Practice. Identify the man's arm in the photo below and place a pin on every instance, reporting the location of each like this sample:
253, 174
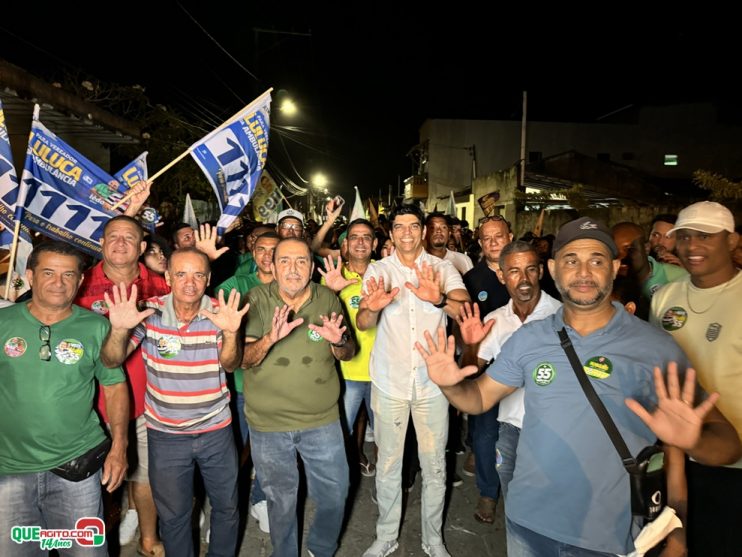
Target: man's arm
228, 318
319, 238
677, 499
124, 316
375, 298
346, 351
472, 397
719, 443
455, 300
117, 408
256, 349
230, 355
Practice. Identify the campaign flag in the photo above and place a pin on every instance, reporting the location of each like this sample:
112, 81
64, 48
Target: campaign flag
451, 209
267, 199
233, 156
358, 211
189, 215
8, 183
63, 193
127, 178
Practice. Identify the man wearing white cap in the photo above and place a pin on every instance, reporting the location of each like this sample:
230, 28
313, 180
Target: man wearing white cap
290, 224
702, 313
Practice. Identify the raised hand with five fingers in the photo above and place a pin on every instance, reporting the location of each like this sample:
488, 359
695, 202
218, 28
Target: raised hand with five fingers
334, 279
675, 421
428, 287
331, 329
375, 297
472, 329
280, 327
206, 239
440, 359
228, 316
123, 312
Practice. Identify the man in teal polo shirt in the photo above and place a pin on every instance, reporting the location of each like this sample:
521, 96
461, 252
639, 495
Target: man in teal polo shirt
294, 335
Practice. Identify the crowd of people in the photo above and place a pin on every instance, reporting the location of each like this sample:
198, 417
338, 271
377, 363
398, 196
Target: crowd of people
190, 353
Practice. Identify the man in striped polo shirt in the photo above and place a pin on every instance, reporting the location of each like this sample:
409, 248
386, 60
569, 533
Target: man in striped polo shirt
188, 341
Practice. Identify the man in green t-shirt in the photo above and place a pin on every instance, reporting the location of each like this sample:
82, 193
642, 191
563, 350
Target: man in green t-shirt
49, 367
294, 334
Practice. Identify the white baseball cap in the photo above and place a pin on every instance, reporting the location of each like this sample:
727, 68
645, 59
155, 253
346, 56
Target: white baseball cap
705, 216
290, 213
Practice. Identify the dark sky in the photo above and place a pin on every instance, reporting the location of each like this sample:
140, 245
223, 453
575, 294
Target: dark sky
366, 75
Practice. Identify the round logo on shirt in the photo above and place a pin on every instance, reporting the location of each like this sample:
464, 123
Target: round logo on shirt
168, 346
355, 302
482, 296
314, 336
544, 374
15, 347
99, 307
674, 318
598, 367
69, 351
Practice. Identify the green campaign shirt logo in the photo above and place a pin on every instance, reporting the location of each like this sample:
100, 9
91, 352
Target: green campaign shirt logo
544, 374
168, 346
674, 318
355, 302
314, 336
598, 367
69, 351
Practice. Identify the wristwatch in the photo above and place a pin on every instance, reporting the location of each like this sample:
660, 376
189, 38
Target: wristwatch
443, 301
342, 341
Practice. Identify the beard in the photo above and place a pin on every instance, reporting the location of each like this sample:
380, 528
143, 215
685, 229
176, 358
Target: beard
600, 295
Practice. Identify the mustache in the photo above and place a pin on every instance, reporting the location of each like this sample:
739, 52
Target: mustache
579, 283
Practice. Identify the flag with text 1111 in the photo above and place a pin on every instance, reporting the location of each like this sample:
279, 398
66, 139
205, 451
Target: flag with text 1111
233, 156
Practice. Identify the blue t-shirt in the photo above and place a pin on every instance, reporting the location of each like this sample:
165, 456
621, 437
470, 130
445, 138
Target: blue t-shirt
569, 483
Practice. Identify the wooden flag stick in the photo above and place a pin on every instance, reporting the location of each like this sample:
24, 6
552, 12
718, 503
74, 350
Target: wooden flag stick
11, 264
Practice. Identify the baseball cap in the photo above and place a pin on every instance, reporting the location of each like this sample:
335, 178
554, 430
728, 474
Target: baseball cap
705, 216
584, 228
290, 213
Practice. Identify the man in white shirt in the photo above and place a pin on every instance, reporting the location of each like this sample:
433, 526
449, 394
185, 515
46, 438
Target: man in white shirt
404, 294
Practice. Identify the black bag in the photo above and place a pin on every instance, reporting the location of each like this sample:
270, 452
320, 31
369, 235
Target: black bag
646, 471
85, 465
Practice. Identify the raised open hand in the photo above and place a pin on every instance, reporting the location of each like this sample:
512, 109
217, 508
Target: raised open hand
442, 368
331, 329
334, 278
375, 297
675, 421
123, 312
428, 287
472, 329
206, 239
280, 327
228, 316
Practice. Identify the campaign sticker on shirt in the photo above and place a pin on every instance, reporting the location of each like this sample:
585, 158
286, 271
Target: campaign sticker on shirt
69, 351
99, 306
482, 296
314, 336
355, 302
598, 367
168, 346
544, 374
674, 318
15, 347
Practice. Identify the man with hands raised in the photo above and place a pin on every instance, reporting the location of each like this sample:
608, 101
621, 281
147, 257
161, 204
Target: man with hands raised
404, 294
294, 334
188, 342
570, 491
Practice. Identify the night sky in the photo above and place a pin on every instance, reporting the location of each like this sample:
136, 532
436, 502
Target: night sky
366, 75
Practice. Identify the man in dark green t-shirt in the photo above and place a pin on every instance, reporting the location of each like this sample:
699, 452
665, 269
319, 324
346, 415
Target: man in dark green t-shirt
49, 367
294, 335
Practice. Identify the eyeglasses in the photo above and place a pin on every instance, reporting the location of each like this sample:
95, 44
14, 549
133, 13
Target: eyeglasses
45, 334
296, 227
495, 218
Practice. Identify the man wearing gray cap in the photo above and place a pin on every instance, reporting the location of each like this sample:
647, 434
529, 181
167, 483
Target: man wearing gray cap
570, 493
290, 224
702, 313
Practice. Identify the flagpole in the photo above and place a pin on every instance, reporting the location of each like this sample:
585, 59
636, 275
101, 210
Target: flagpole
187, 152
11, 263
283, 196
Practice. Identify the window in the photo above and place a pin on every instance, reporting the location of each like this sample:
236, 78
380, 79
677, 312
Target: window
671, 160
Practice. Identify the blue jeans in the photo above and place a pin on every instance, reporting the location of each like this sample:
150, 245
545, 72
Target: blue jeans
430, 417
172, 460
523, 542
356, 393
485, 428
322, 450
44, 499
256, 493
507, 445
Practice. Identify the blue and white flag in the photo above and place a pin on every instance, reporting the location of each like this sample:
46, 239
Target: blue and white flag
8, 216
128, 177
233, 156
64, 194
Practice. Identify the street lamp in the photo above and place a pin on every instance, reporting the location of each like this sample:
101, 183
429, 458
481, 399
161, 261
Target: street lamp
288, 107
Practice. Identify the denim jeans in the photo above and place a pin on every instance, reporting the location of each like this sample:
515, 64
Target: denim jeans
485, 429
256, 492
430, 417
46, 500
322, 450
172, 460
356, 393
507, 445
523, 542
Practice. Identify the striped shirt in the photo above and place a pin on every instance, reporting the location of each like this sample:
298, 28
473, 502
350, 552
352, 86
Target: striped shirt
186, 386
